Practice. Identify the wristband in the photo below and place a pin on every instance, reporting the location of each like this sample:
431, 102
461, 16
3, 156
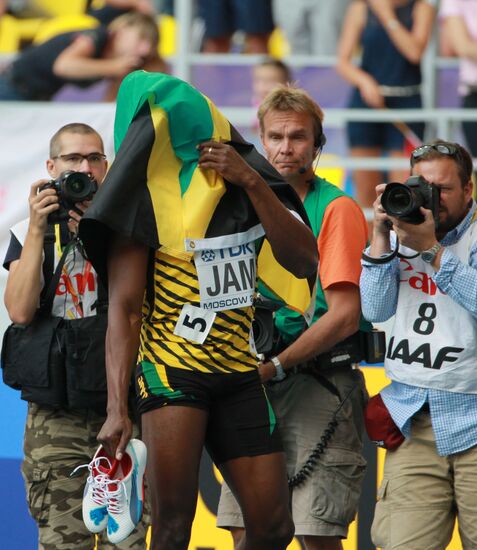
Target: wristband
281, 374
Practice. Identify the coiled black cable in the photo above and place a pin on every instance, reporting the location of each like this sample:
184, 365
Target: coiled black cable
307, 468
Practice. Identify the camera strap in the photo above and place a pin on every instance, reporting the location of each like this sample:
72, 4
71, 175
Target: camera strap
48, 266
388, 257
382, 259
51, 276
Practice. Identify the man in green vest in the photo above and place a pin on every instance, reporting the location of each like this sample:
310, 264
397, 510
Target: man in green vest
316, 390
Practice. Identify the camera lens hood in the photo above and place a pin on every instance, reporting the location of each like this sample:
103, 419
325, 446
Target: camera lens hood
397, 199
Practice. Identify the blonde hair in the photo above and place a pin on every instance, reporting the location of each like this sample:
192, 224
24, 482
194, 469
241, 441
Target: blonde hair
288, 97
146, 24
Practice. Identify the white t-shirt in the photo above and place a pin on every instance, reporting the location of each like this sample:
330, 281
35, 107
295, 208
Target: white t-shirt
77, 289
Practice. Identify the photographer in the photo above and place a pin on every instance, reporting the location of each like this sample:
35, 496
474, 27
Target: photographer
53, 293
429, 480
311, 384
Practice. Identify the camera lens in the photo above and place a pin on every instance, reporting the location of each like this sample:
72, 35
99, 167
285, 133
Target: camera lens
398, 199
75, 184
78, 187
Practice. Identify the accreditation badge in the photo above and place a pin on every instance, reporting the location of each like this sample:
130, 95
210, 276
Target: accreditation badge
227, 277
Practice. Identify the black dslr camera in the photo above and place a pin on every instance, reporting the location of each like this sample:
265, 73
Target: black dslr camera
71, 187
262, 324
403, 200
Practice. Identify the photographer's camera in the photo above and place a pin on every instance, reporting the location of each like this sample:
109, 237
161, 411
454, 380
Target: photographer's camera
263, 325
71, 188
403, 200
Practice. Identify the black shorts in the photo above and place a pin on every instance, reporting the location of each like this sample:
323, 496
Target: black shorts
241, 419
224, 17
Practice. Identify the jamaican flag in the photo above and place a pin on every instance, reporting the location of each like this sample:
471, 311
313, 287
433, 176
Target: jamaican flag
155, 193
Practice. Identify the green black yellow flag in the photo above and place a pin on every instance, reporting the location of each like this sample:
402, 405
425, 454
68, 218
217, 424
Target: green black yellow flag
155, 193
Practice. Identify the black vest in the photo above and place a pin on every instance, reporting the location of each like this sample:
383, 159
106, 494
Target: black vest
55, 361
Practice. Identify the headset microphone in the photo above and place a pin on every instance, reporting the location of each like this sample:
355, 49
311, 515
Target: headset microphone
302, 170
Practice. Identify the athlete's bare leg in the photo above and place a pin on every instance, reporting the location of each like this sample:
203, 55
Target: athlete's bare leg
174, 436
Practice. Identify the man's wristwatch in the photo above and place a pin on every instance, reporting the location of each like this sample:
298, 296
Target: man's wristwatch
281, 374
429, 255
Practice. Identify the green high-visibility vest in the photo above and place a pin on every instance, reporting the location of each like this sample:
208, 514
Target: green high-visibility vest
290, 323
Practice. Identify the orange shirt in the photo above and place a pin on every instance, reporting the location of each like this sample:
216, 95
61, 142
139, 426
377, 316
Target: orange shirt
341, 241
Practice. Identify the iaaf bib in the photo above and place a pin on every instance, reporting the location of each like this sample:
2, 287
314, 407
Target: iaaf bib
433, 342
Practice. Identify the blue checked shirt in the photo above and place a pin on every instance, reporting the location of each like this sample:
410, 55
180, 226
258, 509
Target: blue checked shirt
453, 415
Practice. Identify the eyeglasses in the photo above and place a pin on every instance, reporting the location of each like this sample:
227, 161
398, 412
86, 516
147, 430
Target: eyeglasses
443, 148
74, 160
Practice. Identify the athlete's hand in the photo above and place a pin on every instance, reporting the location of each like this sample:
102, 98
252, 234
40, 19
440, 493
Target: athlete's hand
266, 371
115, 434
225, 160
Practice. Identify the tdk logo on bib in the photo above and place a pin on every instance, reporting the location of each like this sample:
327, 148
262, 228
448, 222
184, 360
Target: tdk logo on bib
207, 255
226, 277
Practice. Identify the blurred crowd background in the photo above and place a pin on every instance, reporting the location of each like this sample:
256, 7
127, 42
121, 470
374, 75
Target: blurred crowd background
235, 50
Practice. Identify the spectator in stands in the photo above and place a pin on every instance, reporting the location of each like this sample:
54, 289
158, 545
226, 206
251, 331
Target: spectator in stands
460, 28
107, 10
310, 26
22, 8
266, 75
393, 35
164, 7
81, 58
223, 17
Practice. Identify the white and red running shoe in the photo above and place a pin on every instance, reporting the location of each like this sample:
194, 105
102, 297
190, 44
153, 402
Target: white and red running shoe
124, 492
95, 505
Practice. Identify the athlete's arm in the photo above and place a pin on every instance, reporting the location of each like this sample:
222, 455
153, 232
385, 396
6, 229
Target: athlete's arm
127, 270
292, 242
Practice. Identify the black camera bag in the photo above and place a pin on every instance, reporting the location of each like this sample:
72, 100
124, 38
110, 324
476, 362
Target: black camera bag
55, 361
25, 352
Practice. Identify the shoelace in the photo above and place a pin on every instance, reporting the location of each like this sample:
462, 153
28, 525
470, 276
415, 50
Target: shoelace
113, 496
98, 481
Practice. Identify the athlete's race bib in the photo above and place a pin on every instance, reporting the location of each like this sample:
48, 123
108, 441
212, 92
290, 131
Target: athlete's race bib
226, 277
194, 323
